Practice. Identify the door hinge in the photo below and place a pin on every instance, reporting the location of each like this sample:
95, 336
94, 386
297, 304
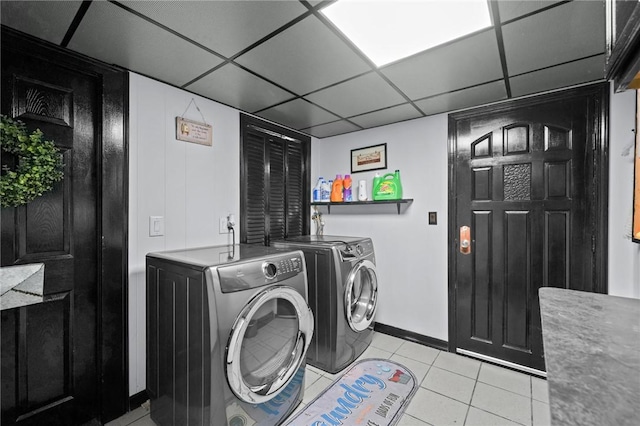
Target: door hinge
593, 243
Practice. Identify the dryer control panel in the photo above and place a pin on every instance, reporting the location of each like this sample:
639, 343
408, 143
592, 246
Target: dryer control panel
259, 272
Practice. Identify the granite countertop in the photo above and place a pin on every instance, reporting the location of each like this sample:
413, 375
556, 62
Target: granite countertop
592, 353
21, 285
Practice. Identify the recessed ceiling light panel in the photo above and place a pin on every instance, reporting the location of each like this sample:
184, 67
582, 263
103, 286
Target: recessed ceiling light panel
388, 30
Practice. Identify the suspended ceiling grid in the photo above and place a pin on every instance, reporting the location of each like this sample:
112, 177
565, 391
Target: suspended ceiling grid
285, 62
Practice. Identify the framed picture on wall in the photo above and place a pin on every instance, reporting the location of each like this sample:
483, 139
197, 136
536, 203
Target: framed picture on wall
635, 231
369, 158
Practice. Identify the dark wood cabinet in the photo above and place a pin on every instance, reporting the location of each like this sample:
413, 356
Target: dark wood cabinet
623, 44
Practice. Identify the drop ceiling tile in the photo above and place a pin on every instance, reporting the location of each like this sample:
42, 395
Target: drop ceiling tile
47, 20
238, 88
298, 114
386, 116
471, 97
306, 57
583, 71
463, 63
113, 35
331, 129
515, 8
357, 96
226, 27
571, 31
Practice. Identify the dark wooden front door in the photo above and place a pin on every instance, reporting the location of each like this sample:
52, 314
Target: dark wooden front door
58, 361
526, 180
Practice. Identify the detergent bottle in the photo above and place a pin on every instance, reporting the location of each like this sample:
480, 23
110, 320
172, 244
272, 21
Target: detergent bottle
325, 191
388, 187
347, 193
317, 190
336, 189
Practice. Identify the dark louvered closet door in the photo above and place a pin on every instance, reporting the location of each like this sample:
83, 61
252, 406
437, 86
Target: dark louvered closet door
254, 197
274, 181
296, 209
277, 190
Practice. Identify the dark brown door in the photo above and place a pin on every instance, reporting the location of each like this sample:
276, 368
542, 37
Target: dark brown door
525, 179
50, 363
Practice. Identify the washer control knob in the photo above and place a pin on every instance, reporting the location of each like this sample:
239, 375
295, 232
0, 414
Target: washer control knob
270, 270
359, 249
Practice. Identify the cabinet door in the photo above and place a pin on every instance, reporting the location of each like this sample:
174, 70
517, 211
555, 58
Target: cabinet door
274, 185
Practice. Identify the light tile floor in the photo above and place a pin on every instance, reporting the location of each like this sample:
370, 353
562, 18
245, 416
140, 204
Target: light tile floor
454, 390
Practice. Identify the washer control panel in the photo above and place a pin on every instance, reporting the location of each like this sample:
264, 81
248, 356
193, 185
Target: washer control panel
359, 250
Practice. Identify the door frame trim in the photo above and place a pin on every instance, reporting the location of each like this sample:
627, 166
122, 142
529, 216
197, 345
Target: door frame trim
112, 361
600, 140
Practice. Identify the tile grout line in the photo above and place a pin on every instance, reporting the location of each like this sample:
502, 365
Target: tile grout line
475, 383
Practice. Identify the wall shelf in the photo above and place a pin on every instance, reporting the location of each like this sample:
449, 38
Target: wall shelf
364, 206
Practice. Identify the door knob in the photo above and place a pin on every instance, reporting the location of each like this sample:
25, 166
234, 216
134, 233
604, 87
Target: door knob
465, 240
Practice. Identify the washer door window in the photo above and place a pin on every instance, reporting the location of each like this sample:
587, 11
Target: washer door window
361, 295
268, 343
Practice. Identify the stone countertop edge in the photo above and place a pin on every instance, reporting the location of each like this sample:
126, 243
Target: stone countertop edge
592, 353
22, 285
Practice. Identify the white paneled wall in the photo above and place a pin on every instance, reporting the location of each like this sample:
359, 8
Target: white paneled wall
190, 185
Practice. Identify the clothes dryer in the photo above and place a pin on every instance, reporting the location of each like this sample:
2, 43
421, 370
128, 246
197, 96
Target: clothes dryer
343, 295
227, 333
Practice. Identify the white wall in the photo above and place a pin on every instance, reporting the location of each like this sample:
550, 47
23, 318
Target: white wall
624, 255
190, 185
411, 255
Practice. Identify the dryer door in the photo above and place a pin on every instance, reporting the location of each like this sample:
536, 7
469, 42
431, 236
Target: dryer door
361, 295
268, 343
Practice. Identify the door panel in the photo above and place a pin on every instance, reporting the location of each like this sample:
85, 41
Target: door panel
56, 353
482, 279
524, 177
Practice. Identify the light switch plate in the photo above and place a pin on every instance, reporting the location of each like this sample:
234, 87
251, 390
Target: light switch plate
156, 226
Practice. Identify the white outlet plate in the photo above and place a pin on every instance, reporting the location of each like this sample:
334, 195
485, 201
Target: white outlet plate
223, 225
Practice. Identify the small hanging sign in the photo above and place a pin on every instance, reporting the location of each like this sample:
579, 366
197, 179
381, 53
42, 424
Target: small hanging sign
194, 131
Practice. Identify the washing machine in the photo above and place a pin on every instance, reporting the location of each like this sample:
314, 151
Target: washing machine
228, 329
343, 295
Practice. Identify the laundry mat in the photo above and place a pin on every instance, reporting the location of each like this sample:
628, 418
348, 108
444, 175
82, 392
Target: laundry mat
372, 392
